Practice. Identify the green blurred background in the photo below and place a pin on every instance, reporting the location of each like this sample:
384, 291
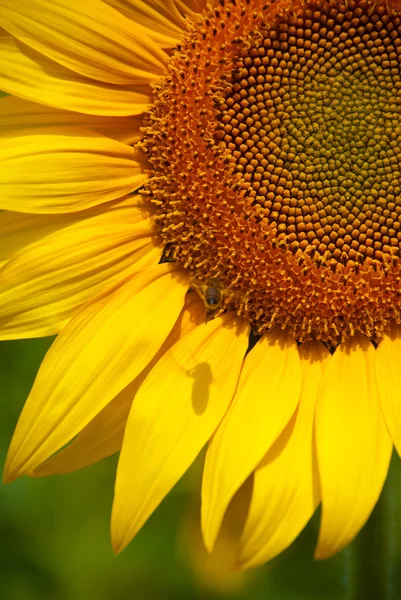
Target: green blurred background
55, 533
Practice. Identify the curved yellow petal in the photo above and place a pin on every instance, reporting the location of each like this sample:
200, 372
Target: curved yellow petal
17, 114
160, 19
353, 444
388, 372
286, 483
190, 8
19, 230
267, 395
32, 76
104, 434
175, 412
43, 286
86, 36
66, 171
104, 347
101, 437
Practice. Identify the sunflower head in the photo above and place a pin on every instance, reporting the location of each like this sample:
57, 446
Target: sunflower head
251, 148
274, 145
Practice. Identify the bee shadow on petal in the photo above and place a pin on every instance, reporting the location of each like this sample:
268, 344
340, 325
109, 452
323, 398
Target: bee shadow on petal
203, 377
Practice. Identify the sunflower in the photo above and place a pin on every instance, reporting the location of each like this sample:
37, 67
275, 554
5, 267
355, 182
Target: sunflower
203, 201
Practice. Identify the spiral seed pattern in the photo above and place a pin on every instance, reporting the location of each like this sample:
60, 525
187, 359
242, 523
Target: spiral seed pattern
274, 144
313, 120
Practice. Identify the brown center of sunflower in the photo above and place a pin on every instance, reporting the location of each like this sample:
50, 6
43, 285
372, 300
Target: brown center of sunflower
275, 147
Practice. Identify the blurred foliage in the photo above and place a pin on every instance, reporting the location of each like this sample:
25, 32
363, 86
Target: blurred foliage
55, 533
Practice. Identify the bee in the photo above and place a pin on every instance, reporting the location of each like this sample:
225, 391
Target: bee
212, 293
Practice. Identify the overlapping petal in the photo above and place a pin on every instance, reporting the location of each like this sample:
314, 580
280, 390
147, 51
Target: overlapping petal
86, 367
33, 76
286, 483
20, 230
66, 171
189, 8
104, 434
17, 114
267, 395
388, 370
160, 19
43, 286
353, 444
169, 423
86, 36
102, 437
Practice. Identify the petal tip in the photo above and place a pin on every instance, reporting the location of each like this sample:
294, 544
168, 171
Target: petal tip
117, 547
7, 478
118, 542
324, 550
17, 463
248, 558
320, 554
241, 563
209, 537
120, 533
9, 473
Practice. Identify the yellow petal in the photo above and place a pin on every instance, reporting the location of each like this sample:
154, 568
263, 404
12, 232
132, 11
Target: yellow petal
16, 114
267, 395
388, 371
190, 8
86, 36
158, 18
104, 434
44, 285
19, 230
32, 76
286, 484
353, 444
64, 172
105, 346
175, 412
102, 437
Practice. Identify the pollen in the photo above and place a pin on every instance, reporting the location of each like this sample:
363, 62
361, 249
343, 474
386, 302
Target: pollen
275, 146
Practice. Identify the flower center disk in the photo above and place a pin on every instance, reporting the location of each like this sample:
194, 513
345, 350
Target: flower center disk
274, 142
